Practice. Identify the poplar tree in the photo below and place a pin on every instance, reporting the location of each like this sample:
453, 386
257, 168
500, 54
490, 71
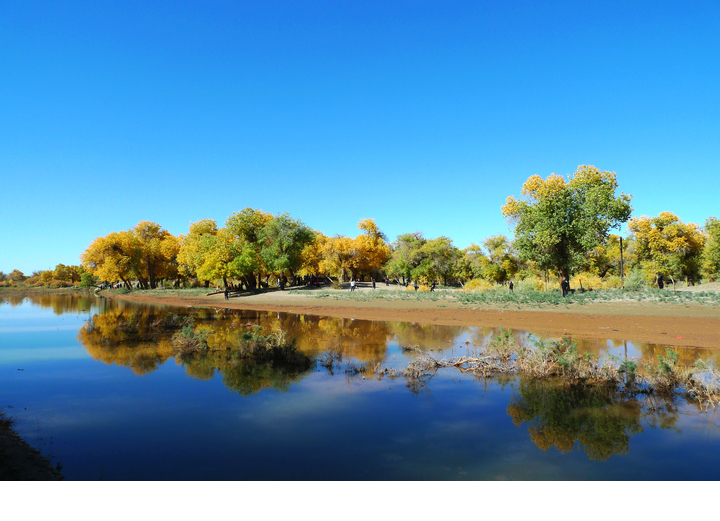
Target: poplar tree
560, 221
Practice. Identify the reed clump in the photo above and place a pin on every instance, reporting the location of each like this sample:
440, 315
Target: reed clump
273, 347
331, 358
504, 354
189, 341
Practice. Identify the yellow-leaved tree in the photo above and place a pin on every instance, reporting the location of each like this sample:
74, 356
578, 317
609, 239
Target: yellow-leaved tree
344, 257
312, 260
158, 249
112, 258
372, 247
339, 256
666, 246
192, 251
145, 253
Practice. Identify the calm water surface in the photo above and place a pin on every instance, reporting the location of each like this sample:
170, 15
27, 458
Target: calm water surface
92, 385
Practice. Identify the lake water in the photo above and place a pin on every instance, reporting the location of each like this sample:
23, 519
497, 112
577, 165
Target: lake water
93, 386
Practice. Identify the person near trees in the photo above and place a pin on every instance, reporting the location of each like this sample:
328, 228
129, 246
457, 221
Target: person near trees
565, 285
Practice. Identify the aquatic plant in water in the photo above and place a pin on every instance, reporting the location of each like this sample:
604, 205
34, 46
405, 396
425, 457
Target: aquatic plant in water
503, 354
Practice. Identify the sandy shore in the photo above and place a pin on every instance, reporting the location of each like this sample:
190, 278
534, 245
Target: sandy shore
676, 324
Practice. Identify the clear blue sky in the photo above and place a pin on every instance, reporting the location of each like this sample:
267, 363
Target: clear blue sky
422, 115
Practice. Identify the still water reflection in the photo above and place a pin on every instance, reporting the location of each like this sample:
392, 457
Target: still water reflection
145, 413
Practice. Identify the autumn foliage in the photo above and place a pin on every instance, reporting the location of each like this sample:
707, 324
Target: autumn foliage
562, 230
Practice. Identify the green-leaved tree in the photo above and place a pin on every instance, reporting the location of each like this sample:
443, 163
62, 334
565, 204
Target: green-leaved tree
560, 221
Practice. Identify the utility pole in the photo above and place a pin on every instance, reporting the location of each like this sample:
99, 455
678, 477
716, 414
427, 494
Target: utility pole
622, 265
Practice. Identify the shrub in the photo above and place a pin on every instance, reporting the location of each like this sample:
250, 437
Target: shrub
588, 280
531, 284
502, 345
87, 280
635, 281
613, 282
271, 348
479, 284
55, 284
188, 341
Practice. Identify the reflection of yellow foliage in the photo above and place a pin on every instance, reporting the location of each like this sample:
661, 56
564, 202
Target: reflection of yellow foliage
545, 438
426, 336
141, 358
135, 339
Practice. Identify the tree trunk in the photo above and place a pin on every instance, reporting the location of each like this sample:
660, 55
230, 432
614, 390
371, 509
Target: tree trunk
250, 281
151, 273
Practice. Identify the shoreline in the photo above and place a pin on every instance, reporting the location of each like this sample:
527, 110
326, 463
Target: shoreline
673, 324
21, 462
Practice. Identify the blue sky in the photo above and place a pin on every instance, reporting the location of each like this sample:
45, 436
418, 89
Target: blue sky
425, 116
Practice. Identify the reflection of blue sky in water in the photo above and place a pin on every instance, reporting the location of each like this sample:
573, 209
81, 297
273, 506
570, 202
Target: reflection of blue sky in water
166, 425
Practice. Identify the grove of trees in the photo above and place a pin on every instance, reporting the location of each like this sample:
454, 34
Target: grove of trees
563, 229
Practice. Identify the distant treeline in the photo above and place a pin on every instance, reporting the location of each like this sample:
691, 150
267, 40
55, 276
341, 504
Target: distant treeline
561, 227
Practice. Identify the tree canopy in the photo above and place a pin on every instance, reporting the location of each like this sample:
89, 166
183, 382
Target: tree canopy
667, 246
560, 221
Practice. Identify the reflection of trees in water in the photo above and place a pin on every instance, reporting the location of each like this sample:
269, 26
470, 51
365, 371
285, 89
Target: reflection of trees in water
242, 376
649, 352
142, 358
139, 340
425, 336
600, 418
59, 303
687, 355
601, 347
65, 303
117, 326
364, 340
